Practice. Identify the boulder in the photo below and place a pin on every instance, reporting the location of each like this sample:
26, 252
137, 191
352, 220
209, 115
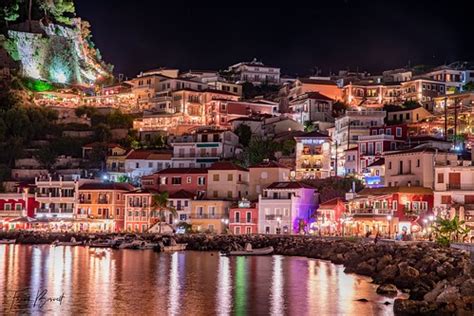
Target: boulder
406, 307
387, 289
383, 262
365, 268
433, 294
408, 276
387, 275
467, 288
449, 295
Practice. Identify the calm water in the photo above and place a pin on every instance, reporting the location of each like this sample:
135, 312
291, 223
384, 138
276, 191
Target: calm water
120, 282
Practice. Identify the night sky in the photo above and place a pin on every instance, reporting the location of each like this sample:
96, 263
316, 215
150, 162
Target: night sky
366, 35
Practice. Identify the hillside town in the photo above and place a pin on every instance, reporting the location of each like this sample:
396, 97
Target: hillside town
249, 150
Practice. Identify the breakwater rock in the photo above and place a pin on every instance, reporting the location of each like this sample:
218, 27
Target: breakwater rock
438, 280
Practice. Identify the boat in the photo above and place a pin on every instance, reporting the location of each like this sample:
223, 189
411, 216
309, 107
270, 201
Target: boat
71, 243
250, 252
177, 247
7, 241
101, 244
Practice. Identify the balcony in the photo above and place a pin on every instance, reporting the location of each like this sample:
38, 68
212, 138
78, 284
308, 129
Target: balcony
207, 216
12, 213
372, 211
459, 187
243, 221
311, 166
273, 217
54, 211
103, 201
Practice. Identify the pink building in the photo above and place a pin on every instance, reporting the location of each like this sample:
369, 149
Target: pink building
172, 180
243, 218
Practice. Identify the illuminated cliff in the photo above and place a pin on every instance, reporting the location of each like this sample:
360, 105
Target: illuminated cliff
56, 53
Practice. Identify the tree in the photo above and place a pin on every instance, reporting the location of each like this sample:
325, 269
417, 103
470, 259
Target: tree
339, 108
308, 126
160, 204
448, 230
47, 157
98, 155
245, 134
102, 133
258, 150
60, 10
9, 11
469, 86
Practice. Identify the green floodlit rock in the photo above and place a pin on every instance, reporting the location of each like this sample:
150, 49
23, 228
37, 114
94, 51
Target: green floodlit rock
55, 53
38, 85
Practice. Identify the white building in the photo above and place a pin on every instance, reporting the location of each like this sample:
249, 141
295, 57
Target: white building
454, 185
312, 106
255, 72
57, 196
203, 148
145, 162
286, 207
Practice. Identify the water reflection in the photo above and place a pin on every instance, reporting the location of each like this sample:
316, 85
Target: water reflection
277, 306
224, 287
104, 282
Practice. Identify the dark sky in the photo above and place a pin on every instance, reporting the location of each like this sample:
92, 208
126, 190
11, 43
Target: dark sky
371, 35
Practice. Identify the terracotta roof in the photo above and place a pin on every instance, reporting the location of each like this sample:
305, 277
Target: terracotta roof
426, 139
144, 191
392, 190
149, 154
313, 134
106, 186
182, 194
332, 202
317, 81
269, 164
379, 162
289, 185
109, 145
226, 165
317, 96
416, 150
182, 171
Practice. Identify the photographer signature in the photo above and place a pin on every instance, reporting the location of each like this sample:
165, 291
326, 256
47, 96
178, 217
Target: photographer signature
39, 300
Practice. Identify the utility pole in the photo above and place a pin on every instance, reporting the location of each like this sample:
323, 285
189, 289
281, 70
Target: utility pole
446, 118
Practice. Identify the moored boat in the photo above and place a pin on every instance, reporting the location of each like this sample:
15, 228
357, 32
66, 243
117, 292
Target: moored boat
7, 241
250, 252
71, 243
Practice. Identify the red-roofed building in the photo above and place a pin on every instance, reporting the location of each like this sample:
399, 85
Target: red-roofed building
13, 206
181, 201
171, 180
389, 210
330, 217
145, 162
227, 180
139, 216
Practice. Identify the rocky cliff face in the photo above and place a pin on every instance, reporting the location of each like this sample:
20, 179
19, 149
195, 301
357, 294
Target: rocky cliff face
54, 53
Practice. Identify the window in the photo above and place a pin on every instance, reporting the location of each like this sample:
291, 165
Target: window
117, 212
214, 194
440, 177
446, 199
389, 165
137, 165
388, 131
212, 211
188, 179
249, 217
176, 180
286, 212
143, 214
163, 180
99, 211
201, 181
229, 194
230, 177
18, 207
130, 214
215, 177
394, 205
378, 148
399, 132
150, 164
200, 210
237, 217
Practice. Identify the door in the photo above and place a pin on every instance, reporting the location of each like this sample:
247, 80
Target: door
454, 180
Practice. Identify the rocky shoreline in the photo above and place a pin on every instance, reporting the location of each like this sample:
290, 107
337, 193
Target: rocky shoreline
438, 281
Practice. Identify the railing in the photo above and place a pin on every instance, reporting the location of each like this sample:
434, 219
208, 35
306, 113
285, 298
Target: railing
85, 201
272, 217
12, 213
103, 201
311, 152
56, 210
458, 186
372, 211
243, 221
207, 216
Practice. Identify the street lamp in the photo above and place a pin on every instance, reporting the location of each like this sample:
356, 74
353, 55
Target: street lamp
389, 219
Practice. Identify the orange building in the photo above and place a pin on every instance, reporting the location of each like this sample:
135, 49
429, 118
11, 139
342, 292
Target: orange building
101, 206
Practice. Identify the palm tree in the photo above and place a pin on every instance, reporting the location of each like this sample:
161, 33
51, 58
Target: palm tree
448, 230
160, 203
